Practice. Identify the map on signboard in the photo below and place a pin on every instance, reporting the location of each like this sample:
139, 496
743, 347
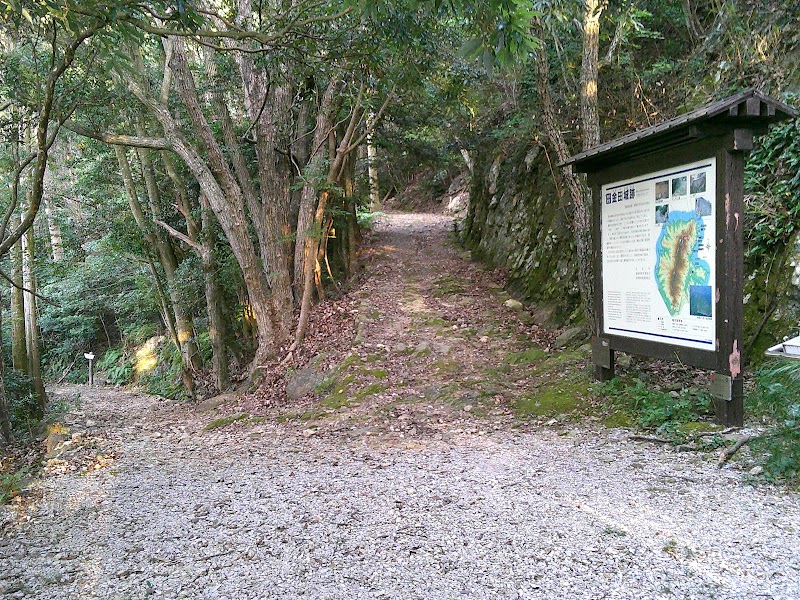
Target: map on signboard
678, 270
658, 256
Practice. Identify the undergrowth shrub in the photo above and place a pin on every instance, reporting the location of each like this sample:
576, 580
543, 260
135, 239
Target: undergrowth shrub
776, 399
656, 410
367, 219
22, 406
117, 366
164, 379
11, 484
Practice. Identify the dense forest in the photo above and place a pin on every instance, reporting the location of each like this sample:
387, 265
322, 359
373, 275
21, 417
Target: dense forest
184, 181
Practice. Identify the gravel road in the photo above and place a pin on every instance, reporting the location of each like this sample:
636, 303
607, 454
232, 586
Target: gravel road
264, 512
144, 502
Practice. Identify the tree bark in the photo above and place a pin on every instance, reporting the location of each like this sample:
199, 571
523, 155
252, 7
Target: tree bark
5, 417
214, 302
372, 170
169, 261
269, 107
222, 191
19, 352
31, 321
56, 239
590, 64
308, 198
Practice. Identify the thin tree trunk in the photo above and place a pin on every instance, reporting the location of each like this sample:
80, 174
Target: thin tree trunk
308, 196
372, 170
166, 313
311, 267
214, 302
338, 155
692, 22
301, 149
352, 237
19, 351
5, 417
169, 261
166, 255
202, 242
589, 69
56, 240
31, 320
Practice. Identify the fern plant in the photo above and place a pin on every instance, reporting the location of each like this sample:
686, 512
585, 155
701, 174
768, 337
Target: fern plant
777, 397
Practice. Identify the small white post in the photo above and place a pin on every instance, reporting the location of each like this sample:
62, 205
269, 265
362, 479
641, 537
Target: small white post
90, 357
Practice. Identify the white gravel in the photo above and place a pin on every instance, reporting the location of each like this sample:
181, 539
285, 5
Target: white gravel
263, 512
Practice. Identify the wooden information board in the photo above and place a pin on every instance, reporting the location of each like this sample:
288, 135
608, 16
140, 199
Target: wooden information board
668, 220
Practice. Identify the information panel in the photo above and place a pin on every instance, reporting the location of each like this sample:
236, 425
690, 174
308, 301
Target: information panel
658, 256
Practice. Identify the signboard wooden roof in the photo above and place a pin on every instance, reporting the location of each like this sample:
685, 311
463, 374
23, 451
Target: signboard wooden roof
749, 110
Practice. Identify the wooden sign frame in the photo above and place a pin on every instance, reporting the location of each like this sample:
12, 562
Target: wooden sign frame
723, 131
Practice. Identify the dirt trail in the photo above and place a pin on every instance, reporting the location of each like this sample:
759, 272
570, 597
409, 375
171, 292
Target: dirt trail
406, 474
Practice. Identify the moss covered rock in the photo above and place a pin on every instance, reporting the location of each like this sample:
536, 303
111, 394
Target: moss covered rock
517, 221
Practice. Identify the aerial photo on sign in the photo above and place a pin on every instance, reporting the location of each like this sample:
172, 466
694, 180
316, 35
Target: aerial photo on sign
658, 256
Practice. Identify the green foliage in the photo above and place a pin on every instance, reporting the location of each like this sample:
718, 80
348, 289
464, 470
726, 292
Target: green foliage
772, 185
118, 367
164, 379
367, 219
11, 484
502, 32
189, 284
772, 178
656, 410
776, 398
89, 300
22, 406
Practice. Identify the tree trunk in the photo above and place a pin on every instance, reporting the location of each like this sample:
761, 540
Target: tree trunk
5, 417
353, 234
166, 255
169, 261
274, 172
166, 313
693, 26
589, 68
56, 240
224, 195
348, 240
305, 215
214, 302
311, 267
19, 351
31, 320
268, 98
372, 169
301, 149
337, 157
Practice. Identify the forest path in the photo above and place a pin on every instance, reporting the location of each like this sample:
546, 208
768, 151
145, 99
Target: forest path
397, 491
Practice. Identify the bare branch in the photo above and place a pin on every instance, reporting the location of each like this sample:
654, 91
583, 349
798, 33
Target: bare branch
181, 236
24, 289
120, 139
373, 122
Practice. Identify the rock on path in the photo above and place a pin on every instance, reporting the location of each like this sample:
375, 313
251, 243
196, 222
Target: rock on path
263, 512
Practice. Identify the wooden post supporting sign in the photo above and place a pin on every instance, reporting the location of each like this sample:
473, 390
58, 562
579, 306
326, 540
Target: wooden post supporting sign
90, 357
